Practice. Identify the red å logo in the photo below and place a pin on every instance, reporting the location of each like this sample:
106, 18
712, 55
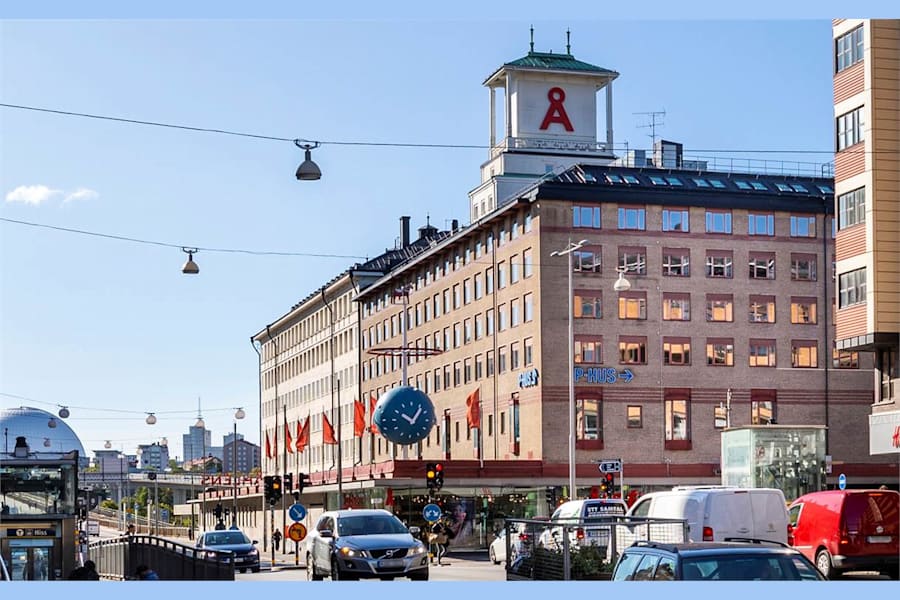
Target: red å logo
557, 112
895, 439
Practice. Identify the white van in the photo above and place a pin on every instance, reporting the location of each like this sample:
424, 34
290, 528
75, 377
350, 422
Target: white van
588, 516
714, 513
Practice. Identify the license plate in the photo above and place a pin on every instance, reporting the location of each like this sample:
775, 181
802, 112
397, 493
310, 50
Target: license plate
879, 539
390, 563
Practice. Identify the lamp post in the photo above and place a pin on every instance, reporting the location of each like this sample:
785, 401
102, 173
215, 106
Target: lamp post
339, 440
202, 426
238, 415
568, 250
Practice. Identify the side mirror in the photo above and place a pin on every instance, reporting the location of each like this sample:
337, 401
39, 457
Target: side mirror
326, 533
254, 542
414, 530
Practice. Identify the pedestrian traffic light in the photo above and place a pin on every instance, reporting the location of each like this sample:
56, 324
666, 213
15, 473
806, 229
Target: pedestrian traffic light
302, 481
438, 476
288, 482
276, 489
430, 475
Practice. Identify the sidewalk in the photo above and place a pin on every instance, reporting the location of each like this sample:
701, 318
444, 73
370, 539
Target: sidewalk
282, 561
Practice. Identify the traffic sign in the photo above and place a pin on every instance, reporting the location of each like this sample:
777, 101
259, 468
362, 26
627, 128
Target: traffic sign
432, 512
842, 481
297, 511
610, 466
297, 531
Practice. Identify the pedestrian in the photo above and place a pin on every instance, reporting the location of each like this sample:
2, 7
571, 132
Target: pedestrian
90, 571
276, 539
145, 573
130, 529
438, 540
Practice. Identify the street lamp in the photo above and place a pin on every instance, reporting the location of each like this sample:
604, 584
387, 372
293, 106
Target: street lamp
308, 170
568, 250
238, 415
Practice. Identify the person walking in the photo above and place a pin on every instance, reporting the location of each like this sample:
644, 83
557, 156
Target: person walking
90, 571
439, 539
276, 539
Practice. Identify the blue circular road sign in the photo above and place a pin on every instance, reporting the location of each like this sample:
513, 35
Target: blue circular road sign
842, 481
297, 511
432, 512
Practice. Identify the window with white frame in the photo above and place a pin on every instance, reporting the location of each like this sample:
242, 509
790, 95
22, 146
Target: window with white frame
589, 349
803, 226
677, 420
804, 354
528, 301
719, 308
586, 216
676, 262
633, 260
676, 351
632, 350
719, 265
588, 419
762, 265
676, 220
586, 261
852, 288
803, 267
803, 311
633, 305
762, 309
850, 128
720, 353
718, 222
852, 208
676, 306
632, 218
760, 224
588, 305
848, 49
762, 353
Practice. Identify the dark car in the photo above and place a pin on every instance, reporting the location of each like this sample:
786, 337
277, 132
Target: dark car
364, 544
747, 560
246, 556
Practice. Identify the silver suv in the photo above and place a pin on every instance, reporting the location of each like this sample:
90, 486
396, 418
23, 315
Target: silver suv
364, 544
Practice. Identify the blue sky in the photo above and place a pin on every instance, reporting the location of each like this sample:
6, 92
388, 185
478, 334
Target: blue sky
103, 324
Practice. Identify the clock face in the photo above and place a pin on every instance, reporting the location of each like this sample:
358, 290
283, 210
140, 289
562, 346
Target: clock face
404, 415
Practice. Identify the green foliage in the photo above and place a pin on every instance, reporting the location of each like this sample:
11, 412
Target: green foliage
110, 504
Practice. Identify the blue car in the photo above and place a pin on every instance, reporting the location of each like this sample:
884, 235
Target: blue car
246, 556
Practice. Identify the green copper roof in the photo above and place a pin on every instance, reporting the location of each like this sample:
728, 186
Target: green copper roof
545, 60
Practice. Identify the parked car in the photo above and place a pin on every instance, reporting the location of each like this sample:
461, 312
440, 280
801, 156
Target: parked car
521, 541
586, 518
246, 556
715, 513
846, 530
364, 544
747, 560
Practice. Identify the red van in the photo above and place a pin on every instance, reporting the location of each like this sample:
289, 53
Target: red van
848, 530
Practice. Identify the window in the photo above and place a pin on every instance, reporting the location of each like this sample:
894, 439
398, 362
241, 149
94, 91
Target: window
529, 307
489, 321
718, 222
720, 417
632, 350
515, 312
803, 226
457, 373
631, 179
850, 129
502, 318
676, 306
489, 280
848, 49
720, 353
527, 263
635, 416
803, 267
762, 353
489, 363
657, 180
526, 226
447, 380
844, 360
760, 224
514, 356
719, 308
677, 415
588, 305
479, 326
676, 220
587, 418
803, 310
501, 275
586, 216
589, 350
457, 335
528, 351
586, 261
447, 306
762, 412
467, 331
633, 260
852, 208
479, 286
719, 264
804, 354
467, 370
762, 265
742, 185
501, 360
633, 305
718, 184
676, 262
515, 269
852, 288
762, 309
676, 351
632, 218
479, 367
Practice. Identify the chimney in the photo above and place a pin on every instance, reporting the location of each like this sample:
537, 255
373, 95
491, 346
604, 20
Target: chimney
454, 225
404, 232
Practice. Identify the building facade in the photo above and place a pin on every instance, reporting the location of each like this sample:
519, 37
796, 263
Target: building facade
240, 456
197, 443
153, 456
867, 185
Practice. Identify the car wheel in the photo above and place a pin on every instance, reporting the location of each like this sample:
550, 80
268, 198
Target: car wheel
311, 573
242, 570
420, 575
823, 563
255, 569
386, 578
336, 574
494, 556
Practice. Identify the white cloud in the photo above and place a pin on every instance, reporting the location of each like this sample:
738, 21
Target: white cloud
31, 194
81, 194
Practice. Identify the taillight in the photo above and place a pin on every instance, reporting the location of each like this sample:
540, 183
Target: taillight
790, 534
523, 537
707, 534
579, 534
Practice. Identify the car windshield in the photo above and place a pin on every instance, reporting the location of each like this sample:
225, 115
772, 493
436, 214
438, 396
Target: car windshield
370, 525
226, 538
742, 567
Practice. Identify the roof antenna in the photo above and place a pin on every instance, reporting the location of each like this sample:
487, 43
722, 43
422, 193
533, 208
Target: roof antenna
427, 220
568, 42
532, 38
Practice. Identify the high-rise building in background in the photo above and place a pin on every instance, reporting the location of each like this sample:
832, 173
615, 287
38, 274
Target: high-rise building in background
197, 443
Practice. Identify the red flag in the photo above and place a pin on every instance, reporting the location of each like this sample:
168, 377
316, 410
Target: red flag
268, 446
327, 431
473, 409
359, 418
302, 435
372, 403
288, 442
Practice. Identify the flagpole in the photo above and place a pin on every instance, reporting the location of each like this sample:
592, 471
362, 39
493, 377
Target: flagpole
340, 463
284, 468
480, 433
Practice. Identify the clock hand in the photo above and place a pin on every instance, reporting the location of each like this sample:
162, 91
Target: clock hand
409, 419
416, 416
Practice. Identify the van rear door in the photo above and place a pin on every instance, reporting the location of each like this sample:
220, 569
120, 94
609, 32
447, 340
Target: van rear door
770, 517
870, 523
728, 514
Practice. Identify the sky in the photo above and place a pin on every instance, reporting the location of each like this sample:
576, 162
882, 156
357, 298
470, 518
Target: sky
104, 325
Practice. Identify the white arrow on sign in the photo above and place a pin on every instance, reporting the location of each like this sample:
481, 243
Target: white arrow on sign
610, 466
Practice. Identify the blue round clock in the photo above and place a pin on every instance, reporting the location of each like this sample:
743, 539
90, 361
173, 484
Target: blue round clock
404, 415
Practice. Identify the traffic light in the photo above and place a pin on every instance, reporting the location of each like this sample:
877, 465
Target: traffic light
606, 484
438, 476
288, 482
268, 480
302, 481
276, 489
551, 496
218, 510
430, 475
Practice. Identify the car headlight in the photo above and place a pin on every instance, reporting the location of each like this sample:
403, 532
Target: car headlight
254, 552
349, 552
419, 548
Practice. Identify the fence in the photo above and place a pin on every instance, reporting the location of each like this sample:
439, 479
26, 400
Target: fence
579, 549
118, 558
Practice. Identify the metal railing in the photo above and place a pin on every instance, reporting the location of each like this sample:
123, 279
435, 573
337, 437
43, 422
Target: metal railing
118, 558
578, 549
